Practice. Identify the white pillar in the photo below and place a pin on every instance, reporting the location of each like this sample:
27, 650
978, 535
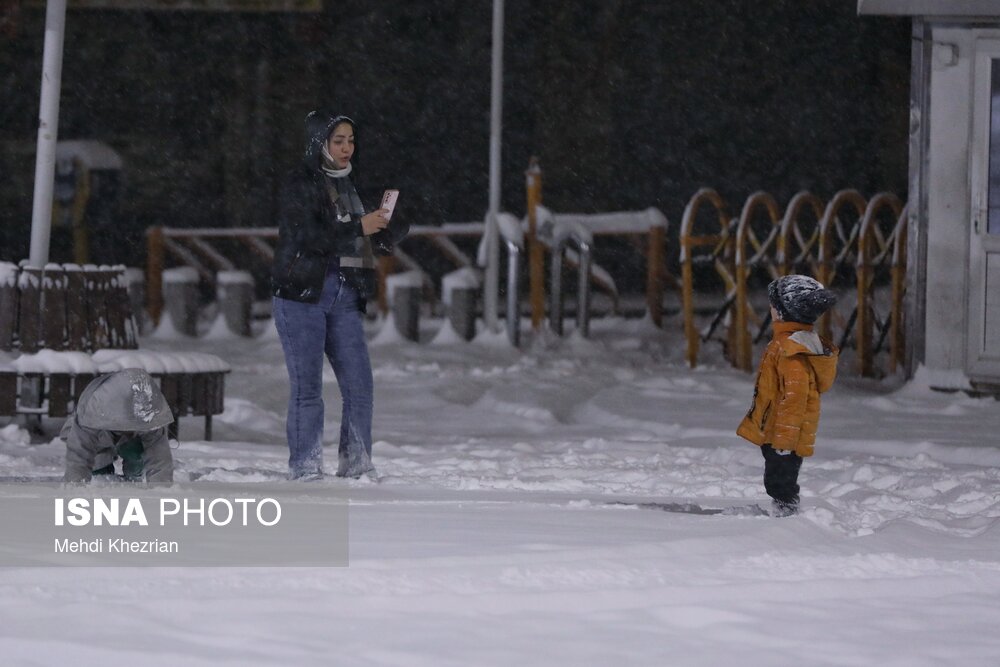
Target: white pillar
48, 132
491, 284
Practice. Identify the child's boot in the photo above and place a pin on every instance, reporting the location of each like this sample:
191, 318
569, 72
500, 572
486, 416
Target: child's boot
781, 508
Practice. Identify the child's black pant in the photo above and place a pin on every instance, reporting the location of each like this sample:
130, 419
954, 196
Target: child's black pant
781, 474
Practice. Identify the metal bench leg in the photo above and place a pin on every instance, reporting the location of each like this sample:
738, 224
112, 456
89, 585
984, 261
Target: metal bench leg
208, 427
31, 398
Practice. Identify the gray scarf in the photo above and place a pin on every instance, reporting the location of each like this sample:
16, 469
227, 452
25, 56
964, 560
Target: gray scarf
347, 203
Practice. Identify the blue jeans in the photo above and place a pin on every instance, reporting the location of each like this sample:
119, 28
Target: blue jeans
307, 331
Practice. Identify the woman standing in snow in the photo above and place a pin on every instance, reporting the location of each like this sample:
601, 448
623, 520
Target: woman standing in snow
322, 277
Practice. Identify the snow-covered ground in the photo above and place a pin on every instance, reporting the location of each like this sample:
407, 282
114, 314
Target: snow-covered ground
507, 529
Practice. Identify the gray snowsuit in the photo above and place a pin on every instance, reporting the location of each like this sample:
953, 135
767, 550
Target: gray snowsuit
121, 414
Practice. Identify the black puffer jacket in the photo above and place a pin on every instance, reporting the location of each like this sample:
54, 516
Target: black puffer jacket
312, 229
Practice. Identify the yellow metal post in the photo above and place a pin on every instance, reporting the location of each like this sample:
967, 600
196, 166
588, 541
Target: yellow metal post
689, 240
826, 269
863, 323
687, 297
536, 254
745, 245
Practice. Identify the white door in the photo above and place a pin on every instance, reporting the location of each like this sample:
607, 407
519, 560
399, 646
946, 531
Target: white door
983, 351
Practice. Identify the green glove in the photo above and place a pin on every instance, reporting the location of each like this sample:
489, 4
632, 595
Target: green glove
131, 452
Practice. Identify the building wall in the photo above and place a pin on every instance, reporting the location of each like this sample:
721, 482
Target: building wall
948, 206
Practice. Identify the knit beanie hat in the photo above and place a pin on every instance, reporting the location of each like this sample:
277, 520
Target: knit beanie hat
799, 298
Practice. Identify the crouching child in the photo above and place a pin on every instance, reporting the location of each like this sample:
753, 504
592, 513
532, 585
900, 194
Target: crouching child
124, 416
798, 365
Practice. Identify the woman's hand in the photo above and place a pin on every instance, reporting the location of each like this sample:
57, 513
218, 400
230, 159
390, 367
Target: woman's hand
374, 222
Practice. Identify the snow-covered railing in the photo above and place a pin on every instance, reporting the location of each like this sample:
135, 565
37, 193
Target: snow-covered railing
649, 226
199, 249
442, 239
209, 252
513, 239
562, 236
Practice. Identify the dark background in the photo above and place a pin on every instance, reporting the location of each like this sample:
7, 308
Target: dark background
627, 103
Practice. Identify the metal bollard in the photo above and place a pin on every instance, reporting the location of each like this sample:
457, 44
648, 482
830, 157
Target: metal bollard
583, 290
234, 291
406, 311
462, 311
460, 293
555, 289
404, 290
180, 291
513, 293
583, 286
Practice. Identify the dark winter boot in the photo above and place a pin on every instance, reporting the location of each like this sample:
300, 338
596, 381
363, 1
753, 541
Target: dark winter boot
781, 479
780, 508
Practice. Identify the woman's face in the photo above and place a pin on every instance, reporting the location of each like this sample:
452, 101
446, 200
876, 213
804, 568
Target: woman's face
340, 145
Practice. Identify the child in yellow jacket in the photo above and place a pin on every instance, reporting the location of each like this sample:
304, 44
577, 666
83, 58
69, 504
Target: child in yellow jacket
798, 365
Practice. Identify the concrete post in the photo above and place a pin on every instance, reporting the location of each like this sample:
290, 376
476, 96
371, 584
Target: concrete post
180, 291
406, 312
234, 291
404, 299
459, 292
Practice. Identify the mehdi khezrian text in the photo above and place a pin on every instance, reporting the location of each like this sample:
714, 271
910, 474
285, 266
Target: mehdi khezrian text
115, 545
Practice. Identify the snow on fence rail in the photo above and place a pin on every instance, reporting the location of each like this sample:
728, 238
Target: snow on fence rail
200, 249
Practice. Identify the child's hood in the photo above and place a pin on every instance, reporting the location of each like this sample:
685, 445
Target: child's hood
127, 400
818, 353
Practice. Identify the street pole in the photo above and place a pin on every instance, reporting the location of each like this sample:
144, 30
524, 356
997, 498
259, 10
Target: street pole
491, 285
48, 131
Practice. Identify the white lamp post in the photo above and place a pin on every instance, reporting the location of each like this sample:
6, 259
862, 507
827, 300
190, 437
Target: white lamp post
48, 131
492, 282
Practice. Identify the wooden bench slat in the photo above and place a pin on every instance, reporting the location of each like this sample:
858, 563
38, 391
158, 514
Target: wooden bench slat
8, 316
77, 332
29, 310
8, 393
54, 309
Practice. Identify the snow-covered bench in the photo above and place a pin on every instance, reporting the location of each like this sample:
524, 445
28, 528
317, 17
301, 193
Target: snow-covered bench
48, 383
59, 325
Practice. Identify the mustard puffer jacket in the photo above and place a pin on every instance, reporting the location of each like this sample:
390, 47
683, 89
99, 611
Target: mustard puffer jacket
798, 365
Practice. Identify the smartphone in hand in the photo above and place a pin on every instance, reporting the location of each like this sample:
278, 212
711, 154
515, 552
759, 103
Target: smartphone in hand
389, 202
